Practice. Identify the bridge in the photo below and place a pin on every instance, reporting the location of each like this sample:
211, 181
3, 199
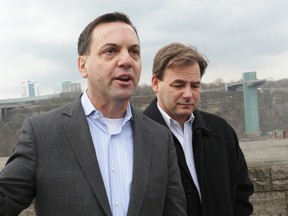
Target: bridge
6, 105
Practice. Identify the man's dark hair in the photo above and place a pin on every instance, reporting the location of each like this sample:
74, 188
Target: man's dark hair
85, 37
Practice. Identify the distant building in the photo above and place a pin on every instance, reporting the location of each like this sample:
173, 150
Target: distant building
23, 90
71, 87
67, 87
32, 87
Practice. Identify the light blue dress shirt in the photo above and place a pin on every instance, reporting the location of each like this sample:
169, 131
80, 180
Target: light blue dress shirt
113, 143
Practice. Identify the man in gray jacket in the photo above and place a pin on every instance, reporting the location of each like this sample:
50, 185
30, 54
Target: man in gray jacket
97, 155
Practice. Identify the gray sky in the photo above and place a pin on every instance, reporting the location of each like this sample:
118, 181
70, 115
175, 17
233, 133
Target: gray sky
38, 38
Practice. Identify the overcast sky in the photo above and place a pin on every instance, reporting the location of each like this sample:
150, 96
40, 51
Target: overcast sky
38, 38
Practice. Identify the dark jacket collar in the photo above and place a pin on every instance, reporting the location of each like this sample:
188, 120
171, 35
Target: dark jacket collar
153, 112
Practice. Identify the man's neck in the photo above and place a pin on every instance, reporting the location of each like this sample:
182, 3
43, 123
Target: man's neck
110, 108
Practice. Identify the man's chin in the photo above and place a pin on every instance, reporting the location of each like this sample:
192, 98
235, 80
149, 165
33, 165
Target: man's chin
123, 96
185, 112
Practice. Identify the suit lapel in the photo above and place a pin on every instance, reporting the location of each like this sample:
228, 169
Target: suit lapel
181, 157
199, 128
198, 157
153, 112
141, 164
78, 133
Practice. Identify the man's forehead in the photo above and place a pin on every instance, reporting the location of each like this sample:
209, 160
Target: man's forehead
109, 28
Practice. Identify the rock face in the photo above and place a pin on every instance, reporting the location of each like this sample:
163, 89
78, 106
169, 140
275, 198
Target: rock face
268, 169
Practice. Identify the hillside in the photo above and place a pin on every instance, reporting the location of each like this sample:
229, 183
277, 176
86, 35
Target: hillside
273, 106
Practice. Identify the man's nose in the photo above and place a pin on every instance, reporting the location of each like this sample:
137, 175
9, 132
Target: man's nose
125, 60
187, 92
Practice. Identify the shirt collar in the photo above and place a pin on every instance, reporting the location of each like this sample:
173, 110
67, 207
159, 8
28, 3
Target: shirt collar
170, 121
89, 108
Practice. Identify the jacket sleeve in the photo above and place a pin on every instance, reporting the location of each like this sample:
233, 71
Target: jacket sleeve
17, 178
245, 187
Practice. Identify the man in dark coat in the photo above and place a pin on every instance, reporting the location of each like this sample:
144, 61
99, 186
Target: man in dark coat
213, 168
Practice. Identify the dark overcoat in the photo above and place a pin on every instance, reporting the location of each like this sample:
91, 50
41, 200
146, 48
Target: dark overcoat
220, 165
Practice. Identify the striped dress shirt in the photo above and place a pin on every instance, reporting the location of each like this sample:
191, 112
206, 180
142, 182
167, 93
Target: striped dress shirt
113, 144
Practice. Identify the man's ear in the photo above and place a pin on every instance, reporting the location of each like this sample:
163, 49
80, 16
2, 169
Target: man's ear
155, 83
82, 66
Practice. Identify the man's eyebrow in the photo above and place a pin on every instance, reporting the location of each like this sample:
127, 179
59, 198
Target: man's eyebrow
135, 46
178, 81
116, 45
196, 82
109, 45
185, 81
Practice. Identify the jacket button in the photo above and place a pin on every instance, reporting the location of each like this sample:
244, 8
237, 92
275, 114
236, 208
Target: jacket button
189, 193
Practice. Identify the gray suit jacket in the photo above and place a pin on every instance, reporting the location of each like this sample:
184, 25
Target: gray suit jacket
55, 162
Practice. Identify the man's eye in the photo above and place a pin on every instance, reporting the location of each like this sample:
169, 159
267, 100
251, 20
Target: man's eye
135, 52
178, 85
195, 86
110, 51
